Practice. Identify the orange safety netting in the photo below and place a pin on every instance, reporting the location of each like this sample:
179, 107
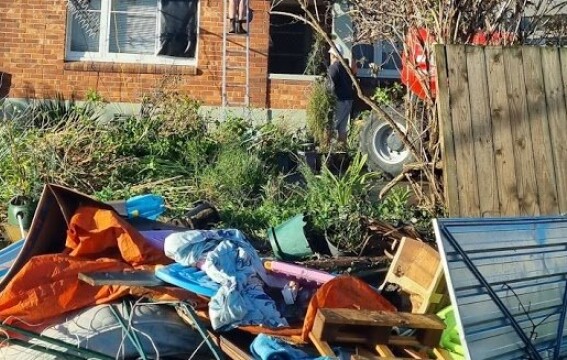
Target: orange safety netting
344, 292
97, 240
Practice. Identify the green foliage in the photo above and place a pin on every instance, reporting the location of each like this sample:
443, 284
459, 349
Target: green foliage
394, 207
390, 95
234, 177
337, 203
397, 208
320, 112
317, 56
172, 150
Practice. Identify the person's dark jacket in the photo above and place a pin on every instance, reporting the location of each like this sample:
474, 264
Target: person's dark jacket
342, 83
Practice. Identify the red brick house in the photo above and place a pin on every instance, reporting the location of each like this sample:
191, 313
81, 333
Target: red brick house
44, 50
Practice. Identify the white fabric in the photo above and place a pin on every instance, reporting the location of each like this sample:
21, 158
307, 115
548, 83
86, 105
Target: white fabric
232, 262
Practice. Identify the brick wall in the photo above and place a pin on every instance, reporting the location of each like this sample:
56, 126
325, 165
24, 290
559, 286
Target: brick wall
288, 93
32, 52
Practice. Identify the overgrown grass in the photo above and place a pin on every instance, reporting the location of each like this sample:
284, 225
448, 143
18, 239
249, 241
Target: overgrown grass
171, 150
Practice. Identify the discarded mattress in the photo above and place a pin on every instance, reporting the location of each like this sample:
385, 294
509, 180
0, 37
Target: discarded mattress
189, 278
160, 330
507, 278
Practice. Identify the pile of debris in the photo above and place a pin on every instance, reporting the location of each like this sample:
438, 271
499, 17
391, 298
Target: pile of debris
90, 283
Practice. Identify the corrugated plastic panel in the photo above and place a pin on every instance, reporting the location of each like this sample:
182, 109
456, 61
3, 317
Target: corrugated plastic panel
524, 260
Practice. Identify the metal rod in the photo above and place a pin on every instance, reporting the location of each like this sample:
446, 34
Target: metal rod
468, 262
224, 97
561, 325
21, 223
217, 353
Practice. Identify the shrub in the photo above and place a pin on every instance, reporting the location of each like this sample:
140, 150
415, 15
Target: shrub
320, 112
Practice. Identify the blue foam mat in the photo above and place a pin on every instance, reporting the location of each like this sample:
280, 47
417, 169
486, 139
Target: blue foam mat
189, 278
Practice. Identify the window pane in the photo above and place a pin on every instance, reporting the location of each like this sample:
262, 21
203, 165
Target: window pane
178, 33
363, 55
85, 28
133, 27
134, 5
390, 57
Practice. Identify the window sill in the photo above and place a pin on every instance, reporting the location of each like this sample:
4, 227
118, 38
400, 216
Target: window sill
293, 77
123, 68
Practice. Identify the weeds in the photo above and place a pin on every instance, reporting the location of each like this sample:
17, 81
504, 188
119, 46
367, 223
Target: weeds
172, 150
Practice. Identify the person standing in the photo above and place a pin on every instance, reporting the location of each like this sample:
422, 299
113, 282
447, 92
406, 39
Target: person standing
343, 89
237, 15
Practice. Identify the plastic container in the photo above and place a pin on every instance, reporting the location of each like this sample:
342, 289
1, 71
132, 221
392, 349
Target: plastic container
450, 339
288, 240
21, 207
145, 206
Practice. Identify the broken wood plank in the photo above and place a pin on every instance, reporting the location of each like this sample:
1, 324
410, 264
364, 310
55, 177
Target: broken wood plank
126, 278
374, 327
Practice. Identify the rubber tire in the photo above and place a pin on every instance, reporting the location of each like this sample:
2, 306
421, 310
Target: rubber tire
375, 160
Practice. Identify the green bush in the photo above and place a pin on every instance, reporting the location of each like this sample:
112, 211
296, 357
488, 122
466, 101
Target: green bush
320, 112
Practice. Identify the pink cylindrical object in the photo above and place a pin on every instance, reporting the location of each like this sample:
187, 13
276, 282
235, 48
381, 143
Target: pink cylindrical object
298, 272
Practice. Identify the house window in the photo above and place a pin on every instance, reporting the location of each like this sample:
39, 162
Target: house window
383, 55
294, 47
142, 31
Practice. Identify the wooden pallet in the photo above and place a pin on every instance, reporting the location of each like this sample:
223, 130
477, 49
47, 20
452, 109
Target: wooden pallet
373, 329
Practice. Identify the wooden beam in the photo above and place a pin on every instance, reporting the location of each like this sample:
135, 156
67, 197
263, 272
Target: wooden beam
125, 278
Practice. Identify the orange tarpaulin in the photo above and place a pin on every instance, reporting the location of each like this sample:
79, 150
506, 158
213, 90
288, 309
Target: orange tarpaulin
344, 292
97, 240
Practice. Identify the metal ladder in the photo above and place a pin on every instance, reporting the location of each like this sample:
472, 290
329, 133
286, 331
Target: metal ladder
235, 64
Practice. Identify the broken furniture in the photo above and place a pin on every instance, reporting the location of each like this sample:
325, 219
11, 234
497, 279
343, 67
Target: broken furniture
417, 269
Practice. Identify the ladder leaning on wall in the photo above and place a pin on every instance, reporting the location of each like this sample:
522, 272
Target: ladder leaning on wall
235, 90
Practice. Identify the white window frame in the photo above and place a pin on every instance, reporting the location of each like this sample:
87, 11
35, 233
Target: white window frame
103, 55
378, 60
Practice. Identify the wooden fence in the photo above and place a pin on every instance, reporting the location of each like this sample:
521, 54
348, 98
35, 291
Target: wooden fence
503, 117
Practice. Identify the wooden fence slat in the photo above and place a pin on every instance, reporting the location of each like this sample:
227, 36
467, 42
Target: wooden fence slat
462, 131
502, 133
522, 138
446, 131
482, 132
541, 137
556, 113
560, 168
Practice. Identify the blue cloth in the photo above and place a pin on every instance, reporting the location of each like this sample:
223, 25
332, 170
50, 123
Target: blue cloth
265, 347
233, 263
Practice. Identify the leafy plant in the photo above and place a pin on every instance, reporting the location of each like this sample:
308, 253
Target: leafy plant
337, 203
320, 112
317, 56
390, 95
